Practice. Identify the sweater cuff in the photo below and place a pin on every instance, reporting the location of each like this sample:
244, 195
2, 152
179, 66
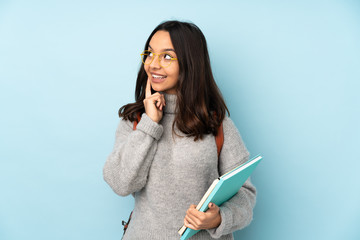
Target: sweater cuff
225, 225
150, 127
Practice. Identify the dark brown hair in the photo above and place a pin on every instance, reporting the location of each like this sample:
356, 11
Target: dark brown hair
200, 106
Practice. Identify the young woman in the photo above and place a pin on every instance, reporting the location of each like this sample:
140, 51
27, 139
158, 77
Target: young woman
169, 161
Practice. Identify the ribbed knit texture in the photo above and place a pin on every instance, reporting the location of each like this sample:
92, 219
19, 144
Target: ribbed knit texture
166, 173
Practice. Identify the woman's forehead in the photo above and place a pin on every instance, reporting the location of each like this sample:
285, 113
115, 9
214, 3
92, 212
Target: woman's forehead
161, 41
163, 50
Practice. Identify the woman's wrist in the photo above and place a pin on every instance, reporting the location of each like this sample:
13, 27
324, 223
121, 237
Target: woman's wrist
150, 127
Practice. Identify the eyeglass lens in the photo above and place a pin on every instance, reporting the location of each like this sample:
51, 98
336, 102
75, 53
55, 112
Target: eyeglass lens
147, 57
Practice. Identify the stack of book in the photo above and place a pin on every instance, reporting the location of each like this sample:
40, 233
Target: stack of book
222, 189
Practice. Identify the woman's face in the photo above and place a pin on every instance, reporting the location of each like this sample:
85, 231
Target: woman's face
162, 79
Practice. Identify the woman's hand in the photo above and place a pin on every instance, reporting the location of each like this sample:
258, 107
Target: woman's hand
197, 220
153, 103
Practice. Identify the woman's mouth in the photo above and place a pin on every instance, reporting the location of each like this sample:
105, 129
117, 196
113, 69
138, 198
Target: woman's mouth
157, 78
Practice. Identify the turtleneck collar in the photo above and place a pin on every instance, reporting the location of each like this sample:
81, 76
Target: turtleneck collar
170, 101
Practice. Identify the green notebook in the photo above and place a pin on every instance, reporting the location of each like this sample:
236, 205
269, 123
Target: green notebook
222, 189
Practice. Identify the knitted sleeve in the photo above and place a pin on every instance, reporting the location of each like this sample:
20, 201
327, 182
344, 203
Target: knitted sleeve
126, 168
237, 212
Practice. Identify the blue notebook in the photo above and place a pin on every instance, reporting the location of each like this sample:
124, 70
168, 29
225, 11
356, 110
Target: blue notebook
222, 189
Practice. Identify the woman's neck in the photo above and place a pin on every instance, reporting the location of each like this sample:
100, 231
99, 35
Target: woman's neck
170, 101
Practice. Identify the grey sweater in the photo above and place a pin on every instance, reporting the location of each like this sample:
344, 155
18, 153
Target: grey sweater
166, 173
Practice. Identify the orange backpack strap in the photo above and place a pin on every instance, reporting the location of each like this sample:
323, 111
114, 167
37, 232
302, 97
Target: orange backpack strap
219, 138
137, 121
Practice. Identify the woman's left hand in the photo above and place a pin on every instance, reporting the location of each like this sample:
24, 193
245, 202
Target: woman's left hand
197, 220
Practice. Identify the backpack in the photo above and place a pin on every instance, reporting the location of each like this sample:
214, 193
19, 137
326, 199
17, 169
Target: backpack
219, 139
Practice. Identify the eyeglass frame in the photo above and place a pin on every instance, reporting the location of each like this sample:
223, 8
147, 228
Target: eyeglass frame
156, 54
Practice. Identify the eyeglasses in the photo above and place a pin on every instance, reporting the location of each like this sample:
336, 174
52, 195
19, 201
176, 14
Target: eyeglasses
165, 59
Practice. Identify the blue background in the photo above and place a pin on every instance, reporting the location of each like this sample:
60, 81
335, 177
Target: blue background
289, 72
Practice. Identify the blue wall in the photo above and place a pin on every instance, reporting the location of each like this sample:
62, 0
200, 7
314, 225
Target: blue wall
289, 71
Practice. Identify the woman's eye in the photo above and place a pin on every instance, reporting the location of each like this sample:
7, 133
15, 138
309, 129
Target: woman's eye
167, 57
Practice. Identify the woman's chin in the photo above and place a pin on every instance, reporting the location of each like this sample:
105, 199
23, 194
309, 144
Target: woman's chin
158, 88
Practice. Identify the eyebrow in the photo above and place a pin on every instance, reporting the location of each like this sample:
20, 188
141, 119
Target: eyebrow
165, 49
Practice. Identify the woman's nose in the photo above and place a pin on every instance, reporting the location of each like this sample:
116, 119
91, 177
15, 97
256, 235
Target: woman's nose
155, 63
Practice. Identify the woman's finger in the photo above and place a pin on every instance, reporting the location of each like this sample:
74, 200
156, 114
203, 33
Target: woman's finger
194, 213
187, 223
191, 222
157, 99
163, 98
148, 89
158, 103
